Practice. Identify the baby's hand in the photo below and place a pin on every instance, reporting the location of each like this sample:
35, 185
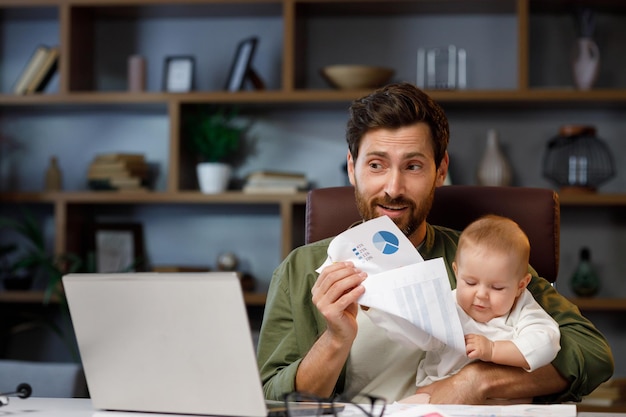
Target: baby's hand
478, 347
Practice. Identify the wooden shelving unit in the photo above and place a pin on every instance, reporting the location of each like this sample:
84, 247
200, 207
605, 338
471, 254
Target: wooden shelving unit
78, 88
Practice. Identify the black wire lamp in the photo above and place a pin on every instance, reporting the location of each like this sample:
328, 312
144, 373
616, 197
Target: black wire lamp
577, 160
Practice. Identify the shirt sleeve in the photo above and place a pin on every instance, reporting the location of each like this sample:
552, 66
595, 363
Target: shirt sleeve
537, 335
585, 358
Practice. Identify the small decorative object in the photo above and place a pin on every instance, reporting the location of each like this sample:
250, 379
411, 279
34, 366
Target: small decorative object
577, 160
212, 134
442, 68
136, 73
354, 77
118, 246
586, 55
494, 168
178, 74
585, 281
227, 261
54, 179
241, 68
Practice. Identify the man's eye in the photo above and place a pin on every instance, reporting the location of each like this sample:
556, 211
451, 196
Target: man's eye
415, 167
375, 165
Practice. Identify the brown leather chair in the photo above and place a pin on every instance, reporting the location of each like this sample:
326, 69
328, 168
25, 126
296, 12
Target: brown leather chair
329, 211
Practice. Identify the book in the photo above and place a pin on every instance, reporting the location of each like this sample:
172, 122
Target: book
278, 189
113, 157
95, 173
265, 174
45, 71
277, 179
124, 184
33, 65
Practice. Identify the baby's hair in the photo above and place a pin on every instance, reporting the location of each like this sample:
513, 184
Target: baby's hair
497, 233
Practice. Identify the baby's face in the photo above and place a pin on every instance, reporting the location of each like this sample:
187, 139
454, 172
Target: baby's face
487, 283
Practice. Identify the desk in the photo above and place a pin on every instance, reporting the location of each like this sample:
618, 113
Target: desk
81, 407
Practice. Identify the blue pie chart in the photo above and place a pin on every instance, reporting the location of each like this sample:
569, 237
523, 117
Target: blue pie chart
386, 242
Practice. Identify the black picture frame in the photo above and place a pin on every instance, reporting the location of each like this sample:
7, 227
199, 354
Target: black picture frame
178, 73
118, 247
241, 66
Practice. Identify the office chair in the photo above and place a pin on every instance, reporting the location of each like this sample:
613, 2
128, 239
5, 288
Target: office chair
329, 211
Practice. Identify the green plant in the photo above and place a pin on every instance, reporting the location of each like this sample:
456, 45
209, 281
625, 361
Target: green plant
212, 134
30, 257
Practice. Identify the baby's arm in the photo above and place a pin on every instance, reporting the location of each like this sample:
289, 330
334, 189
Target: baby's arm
501, 352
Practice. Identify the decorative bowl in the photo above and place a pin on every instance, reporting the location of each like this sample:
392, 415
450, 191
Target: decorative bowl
354, 77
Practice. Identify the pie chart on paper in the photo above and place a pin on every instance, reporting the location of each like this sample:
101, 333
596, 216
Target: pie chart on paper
386, 242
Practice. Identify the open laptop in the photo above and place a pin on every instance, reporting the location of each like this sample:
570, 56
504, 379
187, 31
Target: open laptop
166, 343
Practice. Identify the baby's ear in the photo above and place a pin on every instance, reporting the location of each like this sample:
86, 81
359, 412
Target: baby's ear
524, 282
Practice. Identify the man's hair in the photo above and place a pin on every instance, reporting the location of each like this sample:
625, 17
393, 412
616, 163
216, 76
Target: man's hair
497, 233
395, 106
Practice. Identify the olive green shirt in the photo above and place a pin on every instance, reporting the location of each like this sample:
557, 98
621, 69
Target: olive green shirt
292, 324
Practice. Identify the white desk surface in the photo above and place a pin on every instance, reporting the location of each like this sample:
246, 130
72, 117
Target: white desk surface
79, 407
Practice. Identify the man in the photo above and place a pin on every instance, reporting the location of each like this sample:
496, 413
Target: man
314, 339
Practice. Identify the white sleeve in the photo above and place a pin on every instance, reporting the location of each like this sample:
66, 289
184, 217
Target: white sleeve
537, 335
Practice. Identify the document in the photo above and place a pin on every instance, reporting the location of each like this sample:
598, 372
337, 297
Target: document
517, 410
408, 297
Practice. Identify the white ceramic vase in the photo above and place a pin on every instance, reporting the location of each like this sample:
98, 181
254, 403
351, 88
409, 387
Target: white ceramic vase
586, 63
494, 168
213, 177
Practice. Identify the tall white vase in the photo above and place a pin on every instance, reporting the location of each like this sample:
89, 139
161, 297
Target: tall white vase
213, 177
586, 63
494, 168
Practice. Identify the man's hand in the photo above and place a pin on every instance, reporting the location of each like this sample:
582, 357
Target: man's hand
465, 387
335, 295
487, 383
478, 347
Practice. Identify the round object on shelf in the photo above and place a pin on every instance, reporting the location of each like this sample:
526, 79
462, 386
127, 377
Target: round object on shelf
227, 261
354, 77
577, 160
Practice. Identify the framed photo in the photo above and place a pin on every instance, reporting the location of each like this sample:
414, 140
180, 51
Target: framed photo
178, 74
118, 247
241, 66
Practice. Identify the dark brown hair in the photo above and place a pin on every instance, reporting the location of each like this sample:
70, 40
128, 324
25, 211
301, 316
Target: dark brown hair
395, 106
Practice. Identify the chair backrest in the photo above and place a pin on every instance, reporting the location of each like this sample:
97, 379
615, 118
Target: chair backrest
329, 211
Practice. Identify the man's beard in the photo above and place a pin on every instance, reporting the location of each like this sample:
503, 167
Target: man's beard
417, 212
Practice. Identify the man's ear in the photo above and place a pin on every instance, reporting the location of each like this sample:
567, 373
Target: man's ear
442, 171
350, 162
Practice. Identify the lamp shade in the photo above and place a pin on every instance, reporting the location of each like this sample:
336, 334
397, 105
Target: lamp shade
577, 158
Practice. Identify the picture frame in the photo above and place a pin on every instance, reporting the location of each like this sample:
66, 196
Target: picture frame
178, 73
241, 67
118, 247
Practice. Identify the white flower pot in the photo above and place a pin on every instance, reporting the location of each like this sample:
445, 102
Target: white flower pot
213, 177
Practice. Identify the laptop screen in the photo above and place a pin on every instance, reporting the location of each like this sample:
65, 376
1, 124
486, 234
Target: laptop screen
166, 343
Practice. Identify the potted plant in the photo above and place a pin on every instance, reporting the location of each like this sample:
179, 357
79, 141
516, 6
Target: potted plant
29, 259
218, 142
26, 261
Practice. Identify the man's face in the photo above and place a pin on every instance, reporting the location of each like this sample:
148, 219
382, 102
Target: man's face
395, 175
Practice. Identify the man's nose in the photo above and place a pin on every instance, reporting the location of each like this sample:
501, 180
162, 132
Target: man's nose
395, 185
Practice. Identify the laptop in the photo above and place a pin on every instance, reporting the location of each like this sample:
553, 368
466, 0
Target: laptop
166, 343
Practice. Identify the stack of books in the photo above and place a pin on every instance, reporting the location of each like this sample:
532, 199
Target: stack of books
118, 171
38, 70
275, 182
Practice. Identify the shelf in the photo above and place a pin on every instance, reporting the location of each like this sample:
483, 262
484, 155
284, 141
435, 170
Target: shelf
36, 297
592, 199
148, 197
563, 97
600, 304
237, 197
